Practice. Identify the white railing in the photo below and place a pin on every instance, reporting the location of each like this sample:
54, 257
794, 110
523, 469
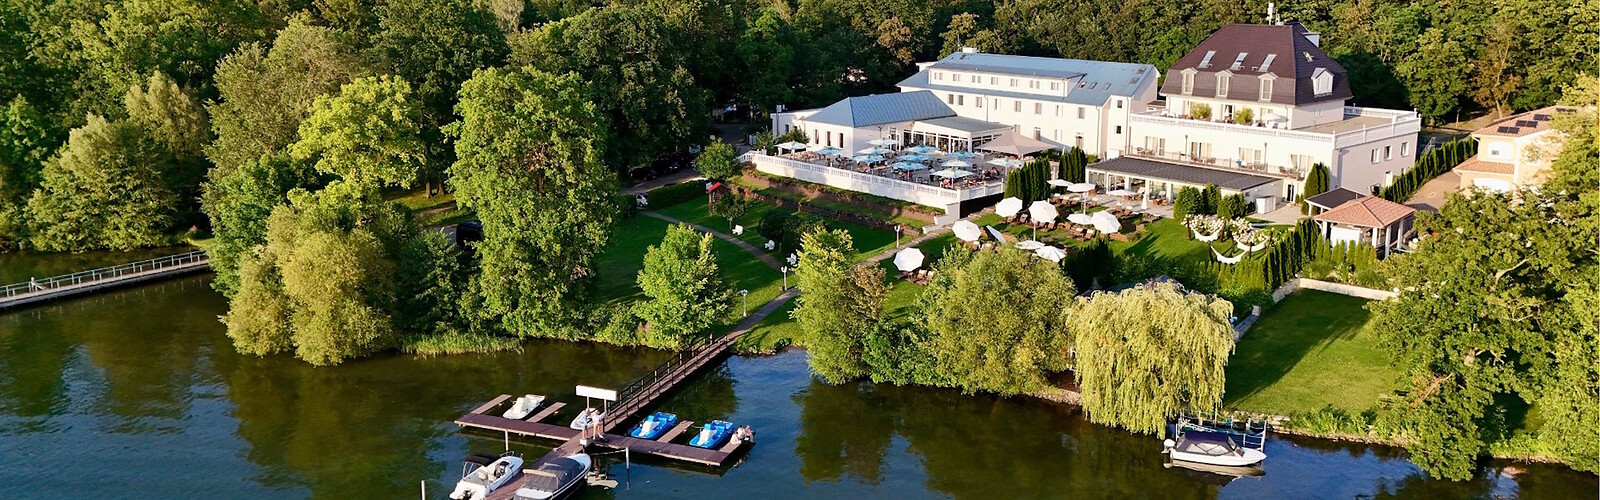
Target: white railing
922, 194
1228, 164
104, 273
1232, 128
1400, 123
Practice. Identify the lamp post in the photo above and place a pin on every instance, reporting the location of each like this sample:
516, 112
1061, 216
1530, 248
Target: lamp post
785, 270
745, 294
897, 229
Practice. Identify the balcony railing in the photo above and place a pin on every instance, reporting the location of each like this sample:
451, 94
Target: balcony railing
915, 192
1228, 164
1399, 123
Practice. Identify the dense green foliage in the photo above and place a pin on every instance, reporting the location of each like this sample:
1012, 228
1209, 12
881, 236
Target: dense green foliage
687, 295
1318, 181
1146, 354
673, 194
1029, 182
1187, 202
717, 161
1233, 206
839, 307
528, 151
1497, 305
1438, 161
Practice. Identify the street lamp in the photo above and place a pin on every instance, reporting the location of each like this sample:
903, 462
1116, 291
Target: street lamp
745, 294
785, 277
897, 228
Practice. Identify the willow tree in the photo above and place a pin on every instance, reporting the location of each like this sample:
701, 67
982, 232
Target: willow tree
1147, 353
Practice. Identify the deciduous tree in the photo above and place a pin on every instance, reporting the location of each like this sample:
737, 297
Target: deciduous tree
995, 322
687, 294
371, 132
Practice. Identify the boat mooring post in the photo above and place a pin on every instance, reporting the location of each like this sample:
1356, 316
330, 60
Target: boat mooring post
424, 489
627, 459
508, 440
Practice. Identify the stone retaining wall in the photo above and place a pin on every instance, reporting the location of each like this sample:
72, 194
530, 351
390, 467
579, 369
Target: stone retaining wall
1331, 287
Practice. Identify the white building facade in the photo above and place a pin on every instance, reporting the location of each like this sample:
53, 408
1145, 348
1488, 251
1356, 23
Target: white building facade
1265, 99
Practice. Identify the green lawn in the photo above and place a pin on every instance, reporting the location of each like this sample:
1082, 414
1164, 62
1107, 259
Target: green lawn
868, 240
1165, 238
620, 263
1312, 350
439, 210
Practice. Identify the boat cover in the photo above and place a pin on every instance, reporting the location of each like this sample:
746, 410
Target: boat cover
553, 474
1208, 443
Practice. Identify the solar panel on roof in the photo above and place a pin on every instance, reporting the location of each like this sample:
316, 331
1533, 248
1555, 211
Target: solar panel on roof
1506, 130
1541, 117
1527, 123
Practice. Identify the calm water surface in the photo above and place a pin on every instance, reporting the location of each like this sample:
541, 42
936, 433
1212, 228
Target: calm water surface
138, 394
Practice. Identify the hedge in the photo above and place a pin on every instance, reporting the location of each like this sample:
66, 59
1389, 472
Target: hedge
673, 194
1438, 161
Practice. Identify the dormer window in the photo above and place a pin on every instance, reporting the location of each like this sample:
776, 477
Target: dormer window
1222, 84
1321, 81
1188, 81
1266, 87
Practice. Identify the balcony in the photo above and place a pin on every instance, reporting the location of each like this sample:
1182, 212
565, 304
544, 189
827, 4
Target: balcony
1359, 126
1227, 164
879, 182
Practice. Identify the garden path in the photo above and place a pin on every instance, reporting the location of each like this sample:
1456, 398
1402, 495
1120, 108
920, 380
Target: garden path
763, 256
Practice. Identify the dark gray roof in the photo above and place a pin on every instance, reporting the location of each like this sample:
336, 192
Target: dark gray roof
1285, 44
1186, 174
878, 109
964, 124
1095, 81
1332, 199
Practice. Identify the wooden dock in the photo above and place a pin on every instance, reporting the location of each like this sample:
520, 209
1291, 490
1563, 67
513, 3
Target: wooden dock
35, 291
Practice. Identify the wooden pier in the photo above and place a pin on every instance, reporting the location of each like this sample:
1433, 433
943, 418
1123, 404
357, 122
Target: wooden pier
36, 291
633, 399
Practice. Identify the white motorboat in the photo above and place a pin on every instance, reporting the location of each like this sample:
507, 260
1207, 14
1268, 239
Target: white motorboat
557, 478
524, 406
1216, 448
482, 474
587, 418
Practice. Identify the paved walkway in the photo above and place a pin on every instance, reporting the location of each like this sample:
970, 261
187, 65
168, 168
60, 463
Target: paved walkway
1288, 213
1433, 194
914, 242
766, 258
672, 178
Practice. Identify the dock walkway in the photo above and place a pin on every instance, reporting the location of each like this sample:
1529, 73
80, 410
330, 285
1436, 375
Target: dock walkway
36, 291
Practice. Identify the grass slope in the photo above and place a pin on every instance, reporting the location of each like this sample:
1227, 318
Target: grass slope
1312, 350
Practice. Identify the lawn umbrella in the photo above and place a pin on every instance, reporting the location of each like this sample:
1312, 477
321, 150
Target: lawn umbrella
884, 142
907, 166
1081, 219
1105, 222
1029, 245
908, 260
966, 230
1042, 211
1008, 207
914, 157
1081, 187
874, 151
955, 164
952, 173
1051, 254
998, 236
1004, 162
921, 149
827, 151
792, 146
1060, 183
867, 158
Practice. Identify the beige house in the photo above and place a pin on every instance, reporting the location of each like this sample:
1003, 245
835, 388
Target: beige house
1512, 153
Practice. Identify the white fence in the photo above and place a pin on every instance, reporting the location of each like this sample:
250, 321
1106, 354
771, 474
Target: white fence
921, 194
1331, 287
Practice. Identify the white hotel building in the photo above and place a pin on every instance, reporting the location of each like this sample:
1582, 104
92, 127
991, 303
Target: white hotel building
1295, 96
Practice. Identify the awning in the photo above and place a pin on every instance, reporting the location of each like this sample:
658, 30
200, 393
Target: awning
1015, 144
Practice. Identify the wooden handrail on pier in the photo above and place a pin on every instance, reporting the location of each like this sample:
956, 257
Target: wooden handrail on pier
81, 282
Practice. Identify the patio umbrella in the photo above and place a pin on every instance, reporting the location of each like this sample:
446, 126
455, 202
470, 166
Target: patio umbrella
1043, 211
1008, 207
1080, 218
1145, 205
1060, 183
1004, 162
1271, 117
907, 166
966, 230
908, 260
826, 150
915, 157
867, 158
1029, 245
921, 149
1051, 254
874, 151
1081, 187
955, 163
952, 173
961, 155
998, 236
884, 142
1120, 192
1105, 222
792, 146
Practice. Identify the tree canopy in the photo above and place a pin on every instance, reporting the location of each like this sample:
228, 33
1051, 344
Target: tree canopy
371, 132
687, 295
995, 322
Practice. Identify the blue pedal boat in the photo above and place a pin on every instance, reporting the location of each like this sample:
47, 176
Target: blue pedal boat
654, 426
712, 435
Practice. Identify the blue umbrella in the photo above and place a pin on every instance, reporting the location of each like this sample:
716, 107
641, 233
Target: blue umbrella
908, 166
961, 155
914, 157
921, 149
867, 158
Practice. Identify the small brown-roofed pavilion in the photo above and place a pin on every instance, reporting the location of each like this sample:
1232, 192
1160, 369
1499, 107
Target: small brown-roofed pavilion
1371, 220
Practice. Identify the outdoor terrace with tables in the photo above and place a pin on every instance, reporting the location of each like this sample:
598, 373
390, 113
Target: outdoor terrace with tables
918, 174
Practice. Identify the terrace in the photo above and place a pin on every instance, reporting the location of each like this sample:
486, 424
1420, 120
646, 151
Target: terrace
927, 178
1358, 126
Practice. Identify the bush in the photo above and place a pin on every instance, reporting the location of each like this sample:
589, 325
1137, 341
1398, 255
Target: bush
1233, 207
1438, 161
673, 194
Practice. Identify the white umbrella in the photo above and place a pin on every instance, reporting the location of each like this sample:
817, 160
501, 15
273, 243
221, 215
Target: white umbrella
964, 155
1051, 254
908, 260
884, 142
1272, 117
1029, 245
867, 158
826, 150
1145, 205
922, 149
951, 173
1120, 192
792, 146
908, 166
955, 163
966, 230
1005, 162
1106, 223
1060, 183
874, 151
1043, 211
1080, 218
1081, 187
1008, 207
998, 236
794, 259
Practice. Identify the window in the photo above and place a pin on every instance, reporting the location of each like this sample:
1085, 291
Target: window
1374, 155
1158, 145
1036, 133
1038, 108
1119, 130
1080, 113
1206, 62
1301, 162
1249, 156
1388, 152
1013, 82
1055, 85
979, 101
1188, 82
993, 80
1119, 103
1078, 141
961, 100
1266, 89
1405, 149
938, 75
1033, 84
1321, 81
976, 79
1222, 84
1058, 110
1238, 62
1016, 106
